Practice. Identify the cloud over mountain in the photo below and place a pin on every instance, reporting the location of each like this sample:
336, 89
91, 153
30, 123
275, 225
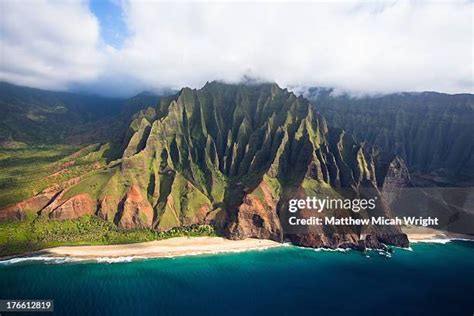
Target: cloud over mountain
359, 46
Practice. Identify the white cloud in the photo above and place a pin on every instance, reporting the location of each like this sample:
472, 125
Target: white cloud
49, 44
358, 46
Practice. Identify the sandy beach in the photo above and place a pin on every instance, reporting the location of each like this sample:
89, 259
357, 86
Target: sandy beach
173, 247
187, 246
420, 234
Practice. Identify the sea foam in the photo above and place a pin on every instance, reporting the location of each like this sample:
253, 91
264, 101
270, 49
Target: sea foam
439, 240
44, 259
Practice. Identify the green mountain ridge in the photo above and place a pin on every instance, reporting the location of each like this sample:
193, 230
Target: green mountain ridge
433, 132
229, 156
33, 116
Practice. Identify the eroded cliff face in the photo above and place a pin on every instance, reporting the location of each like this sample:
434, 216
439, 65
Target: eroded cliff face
233, 156
33, 204
431, 131
134, 211
74, 207
395, 180
256, 216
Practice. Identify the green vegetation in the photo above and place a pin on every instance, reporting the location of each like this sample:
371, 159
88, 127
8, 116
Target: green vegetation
190, 160
319, 189
274, 185
431, 131
187, 199
33, 234
21, 169
93, 184
25, 172
35, 116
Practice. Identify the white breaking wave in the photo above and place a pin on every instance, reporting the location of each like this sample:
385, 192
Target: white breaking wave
61, 260
116, 259
50, 260
332, 250
320, 249
439, 240
216, 252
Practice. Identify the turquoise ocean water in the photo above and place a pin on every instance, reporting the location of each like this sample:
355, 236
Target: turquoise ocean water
433, 279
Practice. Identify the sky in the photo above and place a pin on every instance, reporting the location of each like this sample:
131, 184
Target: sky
121, 47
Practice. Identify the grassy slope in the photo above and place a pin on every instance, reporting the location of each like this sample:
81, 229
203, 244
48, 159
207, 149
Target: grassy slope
27, 171
92, 184
38, 116
20, 170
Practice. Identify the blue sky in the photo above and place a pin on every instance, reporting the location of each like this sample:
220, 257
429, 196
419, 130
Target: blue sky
120, 47
113, 29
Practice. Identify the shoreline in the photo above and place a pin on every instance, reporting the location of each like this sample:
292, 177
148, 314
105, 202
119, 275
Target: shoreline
191, 246
426, 234
167, 248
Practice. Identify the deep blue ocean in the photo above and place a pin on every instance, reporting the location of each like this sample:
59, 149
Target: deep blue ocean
433, 279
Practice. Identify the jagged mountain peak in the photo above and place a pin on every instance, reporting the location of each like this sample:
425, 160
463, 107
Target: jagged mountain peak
231, 155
